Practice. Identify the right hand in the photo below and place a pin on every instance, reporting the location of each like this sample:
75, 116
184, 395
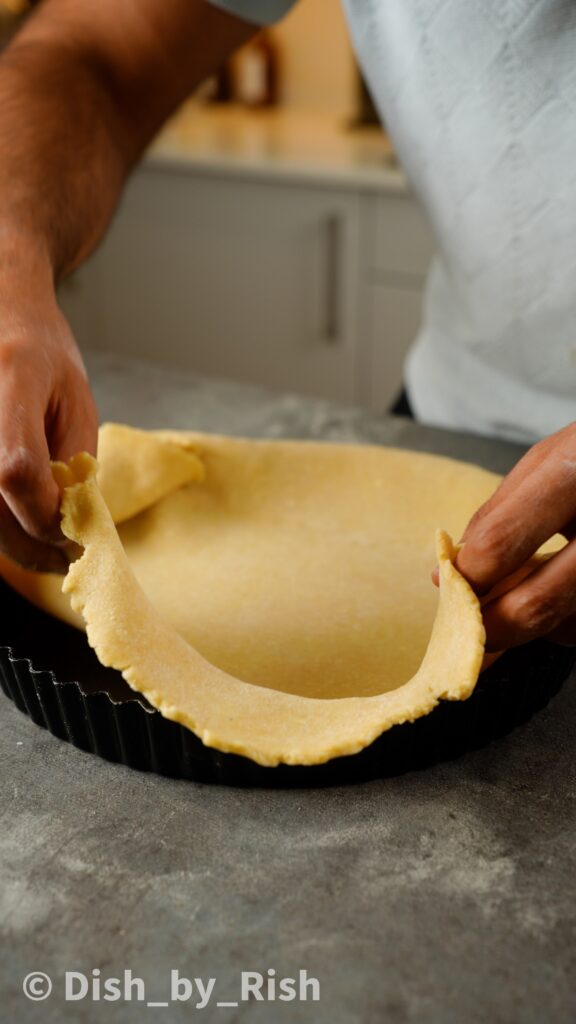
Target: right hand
46, 412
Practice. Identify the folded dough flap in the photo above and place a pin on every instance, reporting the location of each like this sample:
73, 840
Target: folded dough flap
136, 469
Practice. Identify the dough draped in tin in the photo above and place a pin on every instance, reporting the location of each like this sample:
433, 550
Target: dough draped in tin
272, 596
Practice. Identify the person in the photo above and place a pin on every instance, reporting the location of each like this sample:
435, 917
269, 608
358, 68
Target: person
479, 100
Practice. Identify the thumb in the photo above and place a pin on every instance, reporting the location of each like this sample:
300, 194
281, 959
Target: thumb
26, 482
74, 426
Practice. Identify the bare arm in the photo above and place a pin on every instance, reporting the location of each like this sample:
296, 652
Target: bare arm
83, 88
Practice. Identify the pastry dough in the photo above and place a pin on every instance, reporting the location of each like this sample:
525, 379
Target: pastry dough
272, 596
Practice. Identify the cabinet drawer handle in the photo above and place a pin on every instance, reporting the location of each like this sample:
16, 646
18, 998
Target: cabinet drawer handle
333, 238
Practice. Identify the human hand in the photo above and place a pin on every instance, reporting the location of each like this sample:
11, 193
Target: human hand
536, 500
46, 412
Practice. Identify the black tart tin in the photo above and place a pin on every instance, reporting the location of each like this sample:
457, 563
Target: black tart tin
48, 669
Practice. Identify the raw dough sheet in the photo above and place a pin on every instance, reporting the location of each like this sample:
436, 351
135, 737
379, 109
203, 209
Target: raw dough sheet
273, 596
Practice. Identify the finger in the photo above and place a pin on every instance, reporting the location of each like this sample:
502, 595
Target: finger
507, 582
565, 633
26, 481
492, 547
19, 547
559, 447
73, 427
516, 521
537, 606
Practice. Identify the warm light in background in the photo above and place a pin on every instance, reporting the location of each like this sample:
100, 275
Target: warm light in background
14, 6
328, 84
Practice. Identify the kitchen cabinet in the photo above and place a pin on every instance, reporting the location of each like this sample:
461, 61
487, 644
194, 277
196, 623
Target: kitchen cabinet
392, 319
397, 241
296, 285
396, 251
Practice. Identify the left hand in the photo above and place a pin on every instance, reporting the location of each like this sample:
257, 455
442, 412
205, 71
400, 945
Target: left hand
534, 501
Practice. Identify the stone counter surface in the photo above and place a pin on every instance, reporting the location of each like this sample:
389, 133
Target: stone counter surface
278, 144
439, 897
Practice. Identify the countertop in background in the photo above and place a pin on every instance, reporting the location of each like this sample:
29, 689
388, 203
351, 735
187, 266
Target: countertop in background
278, 143
439, 897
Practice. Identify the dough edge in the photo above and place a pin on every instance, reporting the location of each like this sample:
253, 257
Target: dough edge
268, 726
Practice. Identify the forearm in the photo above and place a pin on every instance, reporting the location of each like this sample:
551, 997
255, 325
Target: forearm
83, 89
64, 154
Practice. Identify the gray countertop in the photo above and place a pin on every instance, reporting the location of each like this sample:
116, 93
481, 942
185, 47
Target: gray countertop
440, 896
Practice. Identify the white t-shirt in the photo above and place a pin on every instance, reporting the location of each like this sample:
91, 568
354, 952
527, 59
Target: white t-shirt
480, 101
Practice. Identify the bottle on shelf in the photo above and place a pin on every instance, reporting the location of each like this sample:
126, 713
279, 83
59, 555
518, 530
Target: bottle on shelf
256, 72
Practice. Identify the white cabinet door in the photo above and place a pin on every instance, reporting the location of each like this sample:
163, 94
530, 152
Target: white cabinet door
392, 318
399, 240
254, 280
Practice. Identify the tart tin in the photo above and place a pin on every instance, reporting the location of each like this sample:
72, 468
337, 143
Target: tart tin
48, 669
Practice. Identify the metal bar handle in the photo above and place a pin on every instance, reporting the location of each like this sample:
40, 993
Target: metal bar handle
333, 231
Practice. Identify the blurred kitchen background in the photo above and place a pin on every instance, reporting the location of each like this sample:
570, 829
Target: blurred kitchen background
269, 235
